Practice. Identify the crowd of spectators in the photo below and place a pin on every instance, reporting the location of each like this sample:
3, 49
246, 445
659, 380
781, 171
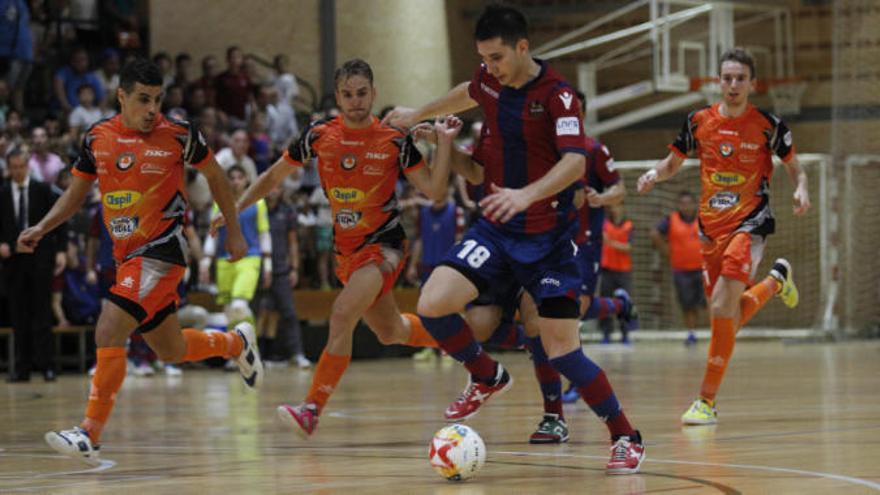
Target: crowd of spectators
60, 77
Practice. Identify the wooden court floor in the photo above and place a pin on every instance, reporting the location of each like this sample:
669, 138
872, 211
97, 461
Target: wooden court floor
794, 418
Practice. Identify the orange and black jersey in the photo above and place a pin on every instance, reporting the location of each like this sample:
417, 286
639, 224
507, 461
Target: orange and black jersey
736, 164
359, 169
141, 180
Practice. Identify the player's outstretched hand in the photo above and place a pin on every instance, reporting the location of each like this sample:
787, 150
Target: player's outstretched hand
503, 203
29, 238
216, 223
402, 117
647, 181
801, 200
236, 246
447, 128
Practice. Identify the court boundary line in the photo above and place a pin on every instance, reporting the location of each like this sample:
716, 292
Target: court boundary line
815, 474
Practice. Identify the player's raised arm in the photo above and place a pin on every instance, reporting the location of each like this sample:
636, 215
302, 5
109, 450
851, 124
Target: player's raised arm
222, 193
67, 205
456, 100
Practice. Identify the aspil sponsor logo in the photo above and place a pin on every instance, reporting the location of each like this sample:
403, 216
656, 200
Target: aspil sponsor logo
727, 179
347, 194
117, 200
351, 143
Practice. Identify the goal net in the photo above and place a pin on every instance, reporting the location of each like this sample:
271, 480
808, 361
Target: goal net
803, 240
855, 174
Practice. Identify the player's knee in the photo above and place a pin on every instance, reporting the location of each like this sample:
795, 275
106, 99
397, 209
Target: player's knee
434, 304
721, 307
558, 308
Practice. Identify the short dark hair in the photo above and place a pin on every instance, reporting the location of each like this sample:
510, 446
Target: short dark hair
583, 99
231, 49
161, 56
139, 70
182, 57
499, 21
237, 168
740, 55
85, 86
17, 152
353, 67
686, 194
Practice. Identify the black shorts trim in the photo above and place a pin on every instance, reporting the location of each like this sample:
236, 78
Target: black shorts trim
134, 309
481, 283
157, 319
561, 307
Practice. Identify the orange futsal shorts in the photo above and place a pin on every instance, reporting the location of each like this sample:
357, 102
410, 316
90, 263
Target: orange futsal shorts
146, 288
389, 259
735, 256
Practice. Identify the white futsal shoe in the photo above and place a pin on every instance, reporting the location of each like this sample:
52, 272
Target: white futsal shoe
249, 363
75, 443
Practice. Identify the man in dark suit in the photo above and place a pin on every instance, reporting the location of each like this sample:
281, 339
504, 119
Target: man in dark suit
27, 276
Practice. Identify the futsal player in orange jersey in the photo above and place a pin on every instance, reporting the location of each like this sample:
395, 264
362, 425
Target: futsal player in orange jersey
359, 162
138, 159
735, 142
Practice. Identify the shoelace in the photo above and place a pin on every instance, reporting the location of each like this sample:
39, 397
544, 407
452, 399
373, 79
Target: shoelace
467, 392
620, 449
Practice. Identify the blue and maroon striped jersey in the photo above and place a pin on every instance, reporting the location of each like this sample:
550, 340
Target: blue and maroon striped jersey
526, 132
600, 175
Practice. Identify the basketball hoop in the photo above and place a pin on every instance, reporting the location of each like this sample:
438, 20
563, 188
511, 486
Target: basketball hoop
787, 96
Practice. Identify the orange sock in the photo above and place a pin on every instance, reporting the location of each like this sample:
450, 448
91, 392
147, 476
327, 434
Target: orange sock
204, 344
755, 298
327, 374
109, 375
720, 351
418, 335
